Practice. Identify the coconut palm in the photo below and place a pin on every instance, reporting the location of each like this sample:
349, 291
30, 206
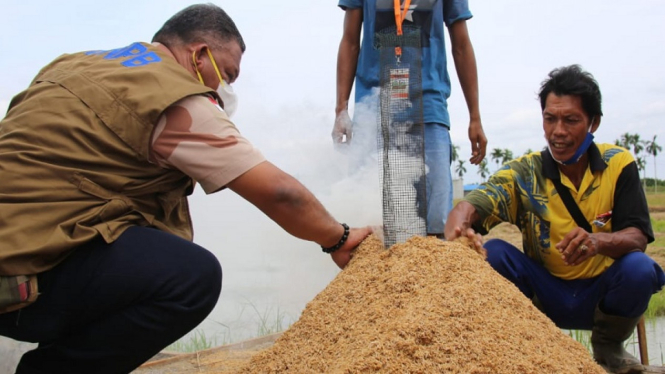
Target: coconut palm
625, 141
507, 156
634, 143
497, 156
460, 169
483, 171
653, 148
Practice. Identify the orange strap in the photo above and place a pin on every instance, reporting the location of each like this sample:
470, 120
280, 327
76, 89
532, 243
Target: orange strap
401, 14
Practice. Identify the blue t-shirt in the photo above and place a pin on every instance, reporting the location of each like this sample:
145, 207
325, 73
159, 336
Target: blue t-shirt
430, 16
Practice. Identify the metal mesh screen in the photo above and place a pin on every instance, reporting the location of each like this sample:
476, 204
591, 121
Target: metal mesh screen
401, 136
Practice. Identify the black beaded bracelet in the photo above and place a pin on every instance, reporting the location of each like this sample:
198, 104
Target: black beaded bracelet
341, 241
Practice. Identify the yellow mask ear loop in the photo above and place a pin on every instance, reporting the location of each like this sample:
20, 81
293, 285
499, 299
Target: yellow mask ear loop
214, 64
196, 68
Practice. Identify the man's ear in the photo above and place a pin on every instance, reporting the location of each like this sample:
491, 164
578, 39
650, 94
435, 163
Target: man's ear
595, 122
196, 50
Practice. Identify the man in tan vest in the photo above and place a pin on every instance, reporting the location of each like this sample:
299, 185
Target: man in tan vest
97, 158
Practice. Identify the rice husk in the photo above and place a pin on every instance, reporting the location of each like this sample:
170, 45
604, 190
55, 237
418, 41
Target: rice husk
424, 306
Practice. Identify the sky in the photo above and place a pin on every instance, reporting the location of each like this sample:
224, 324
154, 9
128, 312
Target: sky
286, 91
287, 82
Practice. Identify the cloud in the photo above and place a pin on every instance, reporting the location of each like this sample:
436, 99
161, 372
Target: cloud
654, 108
522, 116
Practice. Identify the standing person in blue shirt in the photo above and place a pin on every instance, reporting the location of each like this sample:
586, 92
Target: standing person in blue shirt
362, 60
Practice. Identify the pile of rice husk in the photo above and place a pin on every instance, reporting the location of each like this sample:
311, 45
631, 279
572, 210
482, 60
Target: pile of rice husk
424, 306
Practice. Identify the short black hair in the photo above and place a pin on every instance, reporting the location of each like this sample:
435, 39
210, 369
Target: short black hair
199, 23
572, 80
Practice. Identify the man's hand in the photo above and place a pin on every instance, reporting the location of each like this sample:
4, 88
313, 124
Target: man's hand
577, 246
474, 239
343, 128
478, 142
356, 235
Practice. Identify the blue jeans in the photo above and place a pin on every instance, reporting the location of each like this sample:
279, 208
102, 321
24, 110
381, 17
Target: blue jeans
107, 308
438, 152
624, 289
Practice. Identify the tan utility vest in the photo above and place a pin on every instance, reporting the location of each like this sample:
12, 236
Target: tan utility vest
74, 151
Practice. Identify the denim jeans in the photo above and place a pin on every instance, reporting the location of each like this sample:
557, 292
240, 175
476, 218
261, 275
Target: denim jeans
438, 152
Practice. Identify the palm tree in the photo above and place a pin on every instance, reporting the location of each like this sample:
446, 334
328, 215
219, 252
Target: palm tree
634, 143
653, 148
625, 141
497, 155
641, 166
483, 171
507, 156
460, 169
638, 147
529, 150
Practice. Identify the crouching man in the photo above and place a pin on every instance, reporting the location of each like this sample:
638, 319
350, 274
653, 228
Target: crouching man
97, 159
584, 221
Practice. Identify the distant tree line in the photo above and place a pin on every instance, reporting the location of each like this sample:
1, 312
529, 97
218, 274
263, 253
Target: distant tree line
641, 150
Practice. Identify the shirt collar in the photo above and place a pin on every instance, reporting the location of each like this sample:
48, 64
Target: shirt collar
551, 167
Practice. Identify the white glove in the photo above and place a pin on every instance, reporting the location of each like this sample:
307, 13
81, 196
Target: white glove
343, 126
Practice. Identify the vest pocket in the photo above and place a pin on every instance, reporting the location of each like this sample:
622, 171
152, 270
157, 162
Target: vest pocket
116, 205
17, 292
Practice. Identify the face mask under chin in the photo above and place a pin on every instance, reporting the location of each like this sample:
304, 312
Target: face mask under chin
578, 154
229, 98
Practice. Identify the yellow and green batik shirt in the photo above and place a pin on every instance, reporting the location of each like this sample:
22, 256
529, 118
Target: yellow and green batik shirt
522, 193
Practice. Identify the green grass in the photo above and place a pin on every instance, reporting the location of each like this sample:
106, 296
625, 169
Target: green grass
656, 305
656, 199
582, 336
658, 225
196, 341
659, 242
267, 323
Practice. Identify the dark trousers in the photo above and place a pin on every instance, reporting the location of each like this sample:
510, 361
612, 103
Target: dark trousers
624, 289
110, 307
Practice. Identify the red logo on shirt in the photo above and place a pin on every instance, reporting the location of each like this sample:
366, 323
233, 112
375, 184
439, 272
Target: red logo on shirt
214, 101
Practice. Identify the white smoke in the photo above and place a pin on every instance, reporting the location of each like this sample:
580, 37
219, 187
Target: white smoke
268, 274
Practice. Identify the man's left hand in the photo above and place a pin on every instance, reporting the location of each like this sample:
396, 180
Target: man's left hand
478, 141
577, 246
342, 256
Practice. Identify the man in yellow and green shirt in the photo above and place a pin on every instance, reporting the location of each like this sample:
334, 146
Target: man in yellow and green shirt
596, 278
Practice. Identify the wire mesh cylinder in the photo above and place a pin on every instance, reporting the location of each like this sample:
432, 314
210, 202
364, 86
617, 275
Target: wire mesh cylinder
401, 135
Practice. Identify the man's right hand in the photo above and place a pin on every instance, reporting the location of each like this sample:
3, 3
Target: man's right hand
343, 128
478, 142
474, 239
